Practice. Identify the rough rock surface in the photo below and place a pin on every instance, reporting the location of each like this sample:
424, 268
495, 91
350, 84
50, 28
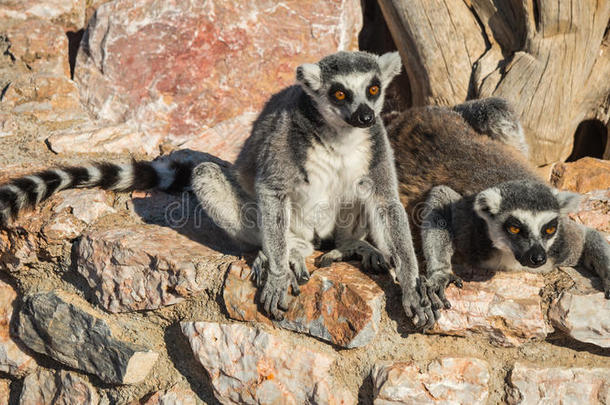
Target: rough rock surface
594, 210
61, 388
13, 360
172, 396
582, 312
582, 176
250, 366
70, 14
5, 391
145, 266
54, 324
445, 381
507, 308
339, 304
209, 62
533, 385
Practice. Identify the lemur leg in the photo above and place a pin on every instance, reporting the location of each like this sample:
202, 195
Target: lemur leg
495, 118
437, 245
587, 248
351, 229
226, 203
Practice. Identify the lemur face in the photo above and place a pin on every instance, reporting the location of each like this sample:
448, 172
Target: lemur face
524, 218
349, 87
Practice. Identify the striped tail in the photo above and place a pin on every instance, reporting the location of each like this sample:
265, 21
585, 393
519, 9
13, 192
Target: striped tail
28, 191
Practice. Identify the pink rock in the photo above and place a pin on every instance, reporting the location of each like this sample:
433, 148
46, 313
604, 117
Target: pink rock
506, 308
247, 365
594, 210
145, 267
188, 66
584, 175
446, 381
582, 312
339, 304
172, 396
41, 45
556, 385
61, 388
12, 359
70, 14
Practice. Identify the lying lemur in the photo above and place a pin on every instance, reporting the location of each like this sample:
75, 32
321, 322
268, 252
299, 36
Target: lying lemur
474, 199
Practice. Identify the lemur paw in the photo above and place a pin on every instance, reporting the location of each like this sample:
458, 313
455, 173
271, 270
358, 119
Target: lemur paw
416, 305
374, 261
299, 270
274, 296
330, 257
436, 285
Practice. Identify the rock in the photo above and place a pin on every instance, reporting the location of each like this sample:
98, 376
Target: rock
60, 326
582, 176
188, 66
5, 391
13, 360
122, 138
60, 388
172, 396
557, 385
53, 100
70, 14
594, 210
339, 304
506, 308
582, 312
41, 45
247, 365
448, 381
145, 267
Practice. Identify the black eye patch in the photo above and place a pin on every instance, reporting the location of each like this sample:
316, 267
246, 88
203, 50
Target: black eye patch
514, 227
549, 229
339, 95
373, 90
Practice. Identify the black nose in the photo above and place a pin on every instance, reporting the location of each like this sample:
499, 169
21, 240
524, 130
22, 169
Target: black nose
363, 117
537, 258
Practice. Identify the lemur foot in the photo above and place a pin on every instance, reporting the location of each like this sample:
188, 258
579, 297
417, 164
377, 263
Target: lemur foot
298, 275
417, 306
371, 258
435, 287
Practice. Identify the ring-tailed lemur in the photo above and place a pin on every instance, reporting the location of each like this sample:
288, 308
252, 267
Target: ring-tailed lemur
478, 201
317, 165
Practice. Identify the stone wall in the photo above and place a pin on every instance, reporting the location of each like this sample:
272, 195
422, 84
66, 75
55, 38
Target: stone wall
139, 299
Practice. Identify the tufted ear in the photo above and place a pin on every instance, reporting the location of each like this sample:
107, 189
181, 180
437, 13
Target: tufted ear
487, 202
568, 201
309, 76
390, 65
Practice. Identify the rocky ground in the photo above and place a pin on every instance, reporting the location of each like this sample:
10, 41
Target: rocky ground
139, 299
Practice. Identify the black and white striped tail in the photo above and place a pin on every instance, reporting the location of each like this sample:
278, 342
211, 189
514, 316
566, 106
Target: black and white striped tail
26, 192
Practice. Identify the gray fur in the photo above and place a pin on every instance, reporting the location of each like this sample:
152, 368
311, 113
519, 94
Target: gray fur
316, 168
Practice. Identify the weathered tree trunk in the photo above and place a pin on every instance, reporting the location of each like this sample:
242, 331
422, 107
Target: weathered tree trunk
550, 58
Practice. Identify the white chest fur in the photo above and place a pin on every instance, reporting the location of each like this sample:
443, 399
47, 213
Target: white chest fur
334, 170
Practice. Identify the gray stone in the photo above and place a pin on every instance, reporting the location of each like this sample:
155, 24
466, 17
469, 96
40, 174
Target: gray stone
57, 388
52, 323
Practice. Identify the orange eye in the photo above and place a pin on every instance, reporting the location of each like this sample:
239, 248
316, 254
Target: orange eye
550, 230
339, 95
373, 90
514, 229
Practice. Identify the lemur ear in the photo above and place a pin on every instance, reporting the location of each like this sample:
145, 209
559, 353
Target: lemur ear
568, 201
309, 76
390, 65
487, 202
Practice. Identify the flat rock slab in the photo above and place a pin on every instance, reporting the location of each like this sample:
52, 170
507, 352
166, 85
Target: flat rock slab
582, 312
56, 324
61, 387
247, 365
176, 69
530, 385
145, 267
594, 210
445, 381
584, 175
70, 14
339, 304
506, 308
13, 360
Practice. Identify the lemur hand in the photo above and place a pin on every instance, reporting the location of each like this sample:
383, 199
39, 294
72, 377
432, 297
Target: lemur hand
416, 304
435, 286
273, 287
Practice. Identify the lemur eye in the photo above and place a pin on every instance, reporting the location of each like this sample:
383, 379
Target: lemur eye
373, 90
339, 95
550, 230
514, 229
